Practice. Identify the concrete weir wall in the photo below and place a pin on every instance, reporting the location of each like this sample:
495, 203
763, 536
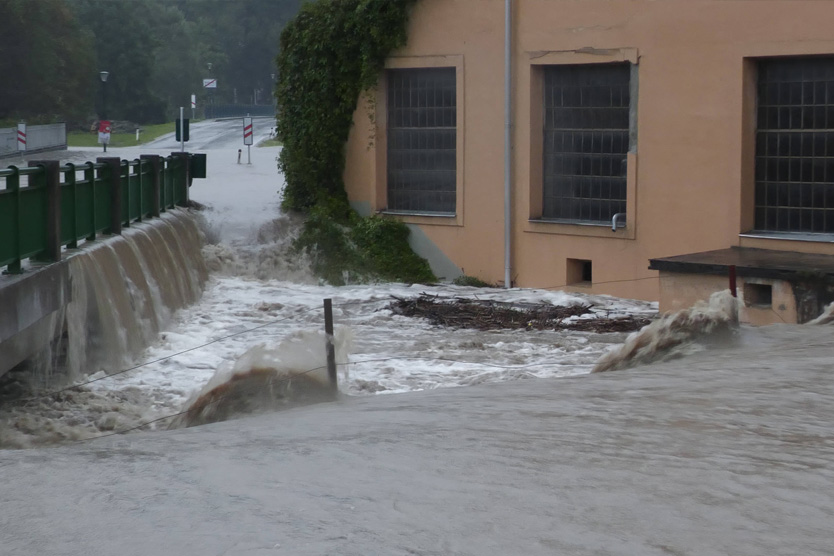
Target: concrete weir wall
103, 303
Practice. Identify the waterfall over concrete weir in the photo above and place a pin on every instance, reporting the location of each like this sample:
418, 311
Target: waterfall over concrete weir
102, 304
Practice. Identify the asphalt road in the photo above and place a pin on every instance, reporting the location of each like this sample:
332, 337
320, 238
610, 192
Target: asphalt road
215, 134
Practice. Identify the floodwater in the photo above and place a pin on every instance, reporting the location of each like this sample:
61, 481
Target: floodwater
443, 442
723, 452
260, 297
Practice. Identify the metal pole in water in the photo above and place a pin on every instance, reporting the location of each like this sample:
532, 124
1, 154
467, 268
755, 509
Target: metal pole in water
331, 350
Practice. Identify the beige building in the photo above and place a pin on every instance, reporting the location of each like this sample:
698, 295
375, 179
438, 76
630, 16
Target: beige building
705, 126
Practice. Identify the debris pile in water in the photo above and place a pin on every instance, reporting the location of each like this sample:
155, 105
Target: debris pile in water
492, 315
660, 339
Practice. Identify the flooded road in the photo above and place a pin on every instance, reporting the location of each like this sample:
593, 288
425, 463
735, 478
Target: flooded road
728, 451
442, 442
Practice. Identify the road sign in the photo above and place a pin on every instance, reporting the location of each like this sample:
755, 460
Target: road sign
21, 136
247, 131
180, 125
209, 83
104, 128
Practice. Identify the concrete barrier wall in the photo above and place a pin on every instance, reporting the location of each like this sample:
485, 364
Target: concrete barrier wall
43, 137
8, 141
38, 138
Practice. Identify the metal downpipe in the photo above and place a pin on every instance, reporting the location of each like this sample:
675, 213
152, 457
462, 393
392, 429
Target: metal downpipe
508, 78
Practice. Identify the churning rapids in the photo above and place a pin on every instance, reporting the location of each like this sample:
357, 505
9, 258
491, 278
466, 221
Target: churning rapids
254, 340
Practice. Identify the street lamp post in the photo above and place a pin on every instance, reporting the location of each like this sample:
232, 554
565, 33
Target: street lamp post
103, 76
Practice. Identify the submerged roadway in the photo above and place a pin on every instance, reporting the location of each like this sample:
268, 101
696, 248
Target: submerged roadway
727, 452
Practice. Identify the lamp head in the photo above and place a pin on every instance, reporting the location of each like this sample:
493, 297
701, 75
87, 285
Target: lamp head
103, 75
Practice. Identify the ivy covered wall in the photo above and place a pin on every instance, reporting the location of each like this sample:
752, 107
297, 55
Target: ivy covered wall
332, 52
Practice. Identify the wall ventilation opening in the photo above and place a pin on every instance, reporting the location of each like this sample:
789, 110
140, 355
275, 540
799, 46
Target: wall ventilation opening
758, 295
579, 272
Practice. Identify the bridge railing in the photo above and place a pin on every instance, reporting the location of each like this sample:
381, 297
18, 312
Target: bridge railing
47, 206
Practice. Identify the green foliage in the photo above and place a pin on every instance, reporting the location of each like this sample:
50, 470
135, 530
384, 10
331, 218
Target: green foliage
471, 281
383, 243
46, 62
360, 250
331, 52
156, 51
334, 258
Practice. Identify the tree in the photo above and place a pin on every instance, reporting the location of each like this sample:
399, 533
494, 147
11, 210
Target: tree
124, 45
47, 58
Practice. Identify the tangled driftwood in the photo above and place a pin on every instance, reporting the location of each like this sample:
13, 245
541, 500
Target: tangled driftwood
493, 315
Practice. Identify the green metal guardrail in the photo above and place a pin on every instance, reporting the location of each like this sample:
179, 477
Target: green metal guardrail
59, 205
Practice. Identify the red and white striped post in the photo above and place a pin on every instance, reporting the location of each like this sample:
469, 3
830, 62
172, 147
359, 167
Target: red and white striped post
21, 136
248, 137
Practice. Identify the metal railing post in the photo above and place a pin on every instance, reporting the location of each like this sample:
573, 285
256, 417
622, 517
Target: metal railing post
114, 165
70, 180
90, 178
13, 185
124, 178
52, 174
183, 174
155, 164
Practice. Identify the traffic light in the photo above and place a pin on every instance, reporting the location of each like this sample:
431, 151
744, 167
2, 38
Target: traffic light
180, 136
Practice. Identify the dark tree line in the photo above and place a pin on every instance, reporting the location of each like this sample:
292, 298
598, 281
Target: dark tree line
157, 53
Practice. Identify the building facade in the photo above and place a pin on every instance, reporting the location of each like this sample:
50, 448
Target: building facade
702, 125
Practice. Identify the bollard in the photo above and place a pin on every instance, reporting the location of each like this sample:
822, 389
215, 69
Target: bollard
239, 152
331, 349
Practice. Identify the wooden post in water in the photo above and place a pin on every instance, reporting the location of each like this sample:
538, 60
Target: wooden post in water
733, 289
331, 349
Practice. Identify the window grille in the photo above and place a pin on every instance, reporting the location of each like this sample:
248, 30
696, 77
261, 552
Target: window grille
586, 141
422, 140
795, 145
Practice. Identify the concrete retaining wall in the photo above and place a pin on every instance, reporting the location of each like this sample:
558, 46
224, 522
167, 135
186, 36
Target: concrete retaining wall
103, 303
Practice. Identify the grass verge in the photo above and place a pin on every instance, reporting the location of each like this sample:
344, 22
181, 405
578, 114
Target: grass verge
146, 133
270, 143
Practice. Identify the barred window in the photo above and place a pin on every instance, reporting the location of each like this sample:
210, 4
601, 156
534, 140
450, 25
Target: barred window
422, 139
586, 141
795, 145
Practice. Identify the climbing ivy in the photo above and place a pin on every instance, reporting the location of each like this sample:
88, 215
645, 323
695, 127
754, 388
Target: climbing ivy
332, 52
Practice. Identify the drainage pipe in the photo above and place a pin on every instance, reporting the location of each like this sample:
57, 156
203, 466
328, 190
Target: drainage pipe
508, 78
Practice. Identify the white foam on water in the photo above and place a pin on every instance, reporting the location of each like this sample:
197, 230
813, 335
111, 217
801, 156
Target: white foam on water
674, 334
260, 293
827, 316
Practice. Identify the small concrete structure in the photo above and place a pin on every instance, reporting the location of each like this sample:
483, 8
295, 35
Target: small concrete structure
776, 286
